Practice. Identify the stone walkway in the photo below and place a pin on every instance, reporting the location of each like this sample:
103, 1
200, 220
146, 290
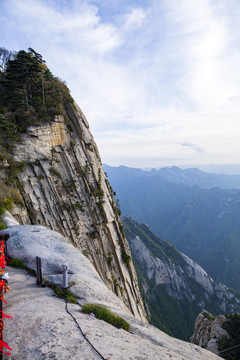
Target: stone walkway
42, 329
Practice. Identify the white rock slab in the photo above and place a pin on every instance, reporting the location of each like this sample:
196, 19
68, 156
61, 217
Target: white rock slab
42, 329
9, 220
28, 241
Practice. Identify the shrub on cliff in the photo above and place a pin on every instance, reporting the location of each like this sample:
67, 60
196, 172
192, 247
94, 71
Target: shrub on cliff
29, 94
8, 197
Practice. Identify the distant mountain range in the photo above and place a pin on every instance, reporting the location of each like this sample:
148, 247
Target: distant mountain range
189, 177
188, 208
175, 288
229, 169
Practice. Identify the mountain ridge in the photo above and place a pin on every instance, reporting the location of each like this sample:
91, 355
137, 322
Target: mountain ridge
175, 288
202, 223
189, 176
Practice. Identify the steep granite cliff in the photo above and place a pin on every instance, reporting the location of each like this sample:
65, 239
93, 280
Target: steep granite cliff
63, 187
48, 154
175, 287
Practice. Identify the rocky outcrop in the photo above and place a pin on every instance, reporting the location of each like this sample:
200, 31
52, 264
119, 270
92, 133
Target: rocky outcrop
45, 327
172, 284
26, 242
64, 188
176, 277
208, 331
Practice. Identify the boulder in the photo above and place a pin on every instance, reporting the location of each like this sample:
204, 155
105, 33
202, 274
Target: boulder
26, 242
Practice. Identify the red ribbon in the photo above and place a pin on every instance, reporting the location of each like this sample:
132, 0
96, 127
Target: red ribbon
5, 345
3, 289
5, 315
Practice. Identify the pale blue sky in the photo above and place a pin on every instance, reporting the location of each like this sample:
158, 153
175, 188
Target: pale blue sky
159, 81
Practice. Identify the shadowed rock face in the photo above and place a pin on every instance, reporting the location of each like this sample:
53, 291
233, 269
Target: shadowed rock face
64, 188
175, 288
208, 332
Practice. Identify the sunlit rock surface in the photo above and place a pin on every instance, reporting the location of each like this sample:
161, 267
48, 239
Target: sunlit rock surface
41, 327
64, 188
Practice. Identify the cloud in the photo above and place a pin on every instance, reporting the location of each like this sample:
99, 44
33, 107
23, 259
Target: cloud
195, 147
77, 27
134, 18
149, 76
210, 61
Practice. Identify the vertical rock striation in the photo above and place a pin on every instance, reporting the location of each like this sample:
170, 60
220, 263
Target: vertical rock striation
65, 188
175, 288
208, 331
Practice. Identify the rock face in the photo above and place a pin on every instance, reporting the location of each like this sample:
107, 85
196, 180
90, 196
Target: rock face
64, 188
26, 242
44, 327
208, 332
173, 285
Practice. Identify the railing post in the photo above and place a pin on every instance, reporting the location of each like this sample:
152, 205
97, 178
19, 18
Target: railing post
39, 271
65, 275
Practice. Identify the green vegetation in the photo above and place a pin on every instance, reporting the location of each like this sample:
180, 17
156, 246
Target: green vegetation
109, 258
78, 206
126, 257
29, 95
2, 226
202, 223
15, 167
99, 193
102, 313
55, 172
208, 315
172, 309
18, 263
8, 197
229, 348
121, 229
61, 293
158, 247
70, 297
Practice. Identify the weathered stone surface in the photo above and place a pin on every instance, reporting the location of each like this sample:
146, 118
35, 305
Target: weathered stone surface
28, 241
175, 276
208, 332
3, 169
39, 141
213, 346
216, 328
9, 220
64, 188
42, 329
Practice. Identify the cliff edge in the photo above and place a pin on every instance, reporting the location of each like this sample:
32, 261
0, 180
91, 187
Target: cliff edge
64, 187
46, 327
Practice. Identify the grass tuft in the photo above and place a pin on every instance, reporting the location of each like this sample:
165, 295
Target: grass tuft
61, 293
208, 315
18, 264
102, 313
